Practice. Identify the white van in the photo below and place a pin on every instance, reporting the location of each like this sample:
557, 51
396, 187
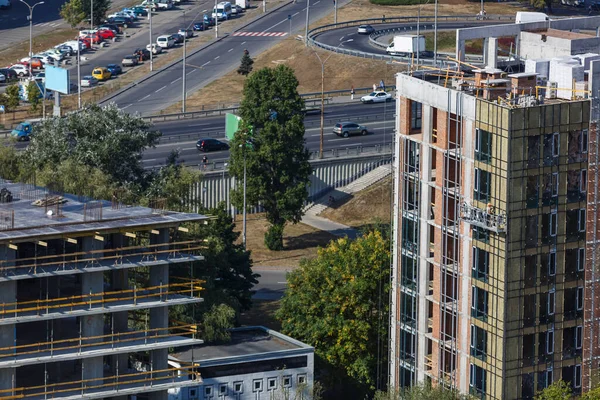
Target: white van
222, 11
165, 41
525, 16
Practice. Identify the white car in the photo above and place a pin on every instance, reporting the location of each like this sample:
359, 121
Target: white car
87, 32
154, 48
88, 81
46, 59
20, 69
76, 45
376, 97
2, 78
365, 30
57, 55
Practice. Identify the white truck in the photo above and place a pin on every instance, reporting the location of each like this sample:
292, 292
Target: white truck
243, 3
406, 45
526, 16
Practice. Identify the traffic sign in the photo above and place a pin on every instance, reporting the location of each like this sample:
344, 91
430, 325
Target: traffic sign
289, 16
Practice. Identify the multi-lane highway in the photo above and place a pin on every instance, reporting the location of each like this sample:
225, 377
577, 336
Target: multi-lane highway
219, 58
183, 135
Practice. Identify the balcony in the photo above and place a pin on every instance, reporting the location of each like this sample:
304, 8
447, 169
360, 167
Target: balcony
483, 219
111, 386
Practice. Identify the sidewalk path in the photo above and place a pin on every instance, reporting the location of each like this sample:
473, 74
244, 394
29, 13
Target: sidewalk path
329, 226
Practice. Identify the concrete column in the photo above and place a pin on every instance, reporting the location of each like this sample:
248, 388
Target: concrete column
92, 325
491, 52
460, 47
485, 50
8, 294
159, 317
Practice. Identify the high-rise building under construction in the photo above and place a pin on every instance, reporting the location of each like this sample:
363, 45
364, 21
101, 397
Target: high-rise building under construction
496, 258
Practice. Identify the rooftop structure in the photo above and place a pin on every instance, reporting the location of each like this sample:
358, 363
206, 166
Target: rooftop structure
496, 241
256, 362
85, 289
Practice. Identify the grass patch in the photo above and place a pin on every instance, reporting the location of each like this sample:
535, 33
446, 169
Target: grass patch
300, 241
446, 41
396, 2
366, 207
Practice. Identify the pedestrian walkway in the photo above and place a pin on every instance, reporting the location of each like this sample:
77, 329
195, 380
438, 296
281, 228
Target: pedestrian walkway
311, 212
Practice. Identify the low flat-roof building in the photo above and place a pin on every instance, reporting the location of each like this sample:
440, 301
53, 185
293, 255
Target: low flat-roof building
258, 363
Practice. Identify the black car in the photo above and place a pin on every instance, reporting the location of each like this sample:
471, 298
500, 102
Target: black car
199, 26
211, 145
9, 74
177, 37
142, 54
66, 50
120, 22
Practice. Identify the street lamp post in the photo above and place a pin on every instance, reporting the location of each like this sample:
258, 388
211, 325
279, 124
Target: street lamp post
31, 30
151, 55
323, 62
306, 27
243, 146
216, 14
184, 60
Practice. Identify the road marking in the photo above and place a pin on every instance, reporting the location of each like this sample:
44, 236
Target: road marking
150, 160
206, 63
279, 23
264, 33
217, 57
178, 79
230, 50
143, 98
160, 89
317, 2
191, 71
127, 106
204, 11
293, 15
199, 125
242, 43
282, 282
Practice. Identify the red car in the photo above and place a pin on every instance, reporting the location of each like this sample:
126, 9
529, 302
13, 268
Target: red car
36, 63
95, 38
106, 34
86, 42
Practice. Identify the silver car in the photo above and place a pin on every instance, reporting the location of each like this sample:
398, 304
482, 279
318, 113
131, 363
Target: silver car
348, 128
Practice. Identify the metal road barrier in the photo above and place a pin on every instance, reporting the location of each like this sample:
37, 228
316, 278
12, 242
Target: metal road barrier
313, 33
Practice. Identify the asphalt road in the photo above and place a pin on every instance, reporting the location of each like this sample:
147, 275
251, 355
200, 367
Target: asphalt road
271, 284
215, 61
183, 135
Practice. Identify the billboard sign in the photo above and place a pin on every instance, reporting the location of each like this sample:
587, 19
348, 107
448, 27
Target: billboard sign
57, 79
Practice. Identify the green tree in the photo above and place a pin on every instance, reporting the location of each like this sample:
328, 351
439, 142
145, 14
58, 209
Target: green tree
33, 95
12, 97
559, 390
593, 394
424, 391
101, 7
277, 164
246, 64
10, 162
337, 303
77, 178
101, 137
217, 322
72, 12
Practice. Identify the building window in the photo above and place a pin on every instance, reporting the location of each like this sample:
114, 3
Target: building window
257, 385
416, 114
575, 225
550, 342
477, 379
478, 342
408, 311
302, 379
532, 191
552, 262
482, 185
410, 234
581, 220
578, 146
193, 394
580, 259
549, 227
530, 271
409, 272
271, 383
481, 234
578, 336
483, 146
550, 190
579, 298
481, 261
238, 387
577, 376
411, 193
551, 149
413, 157
479, 303
533, 152
407, 345
551, 302
531, 231
287, 381
208, 391
223, 389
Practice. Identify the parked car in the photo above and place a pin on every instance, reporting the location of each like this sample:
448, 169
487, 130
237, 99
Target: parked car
88, 81
114, 28
54, 53
2, 78
20, 69
9, 73
142, 54
123, 16
199, 26
154, 48
348, 128
87, 32
36, 63
130, 13
106, 34
95, 38
376, 97
365, 29
186, 33
86, 42
165, 41
101, 73
140, 11
208, 20
177, 38
75, 45
114, 69
130, 61
22, 131
211, 145
120, 22
46, 59
66, 50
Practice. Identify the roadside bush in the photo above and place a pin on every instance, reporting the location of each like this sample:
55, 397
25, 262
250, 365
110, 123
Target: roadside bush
274, 238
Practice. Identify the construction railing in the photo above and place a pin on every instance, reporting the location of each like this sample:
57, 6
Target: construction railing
106, 342
89, 260
100, 300
173, 377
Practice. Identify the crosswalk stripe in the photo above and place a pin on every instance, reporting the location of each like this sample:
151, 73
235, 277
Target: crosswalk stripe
258, 34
